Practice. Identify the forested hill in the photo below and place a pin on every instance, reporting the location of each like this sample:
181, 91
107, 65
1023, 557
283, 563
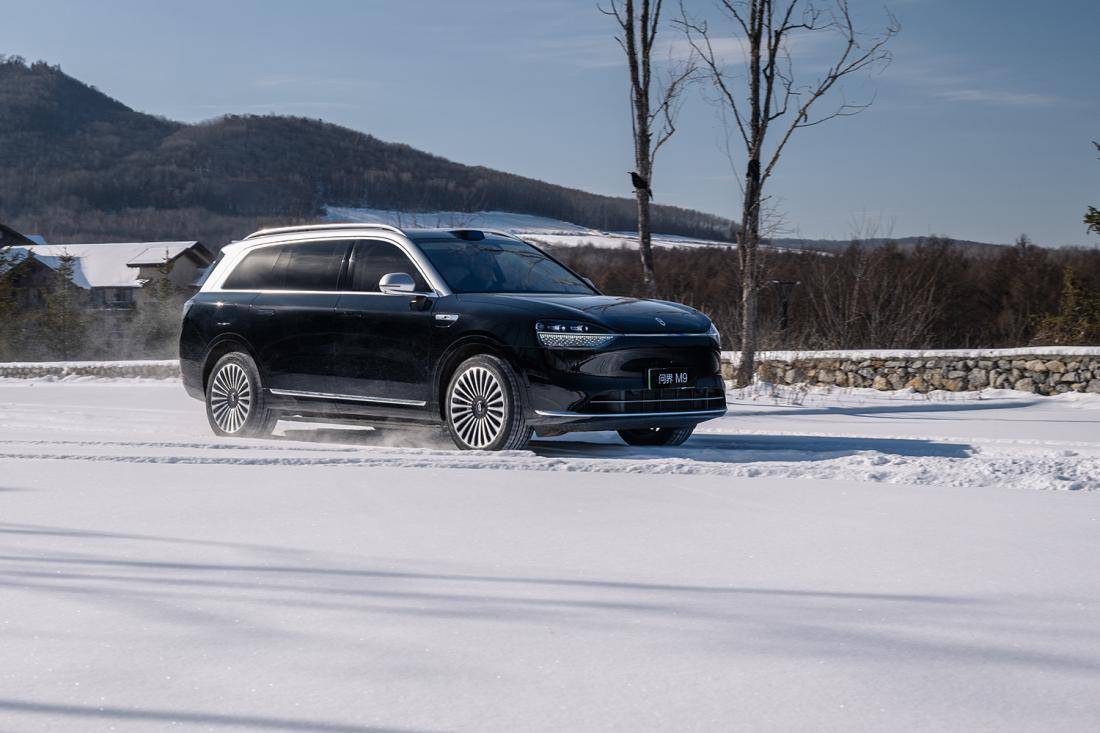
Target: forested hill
78, 165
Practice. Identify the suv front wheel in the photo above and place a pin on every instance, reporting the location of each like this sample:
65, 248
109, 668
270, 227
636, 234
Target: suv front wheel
485, 407
235, 404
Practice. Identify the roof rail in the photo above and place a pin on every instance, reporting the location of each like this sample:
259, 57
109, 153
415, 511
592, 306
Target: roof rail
322, 227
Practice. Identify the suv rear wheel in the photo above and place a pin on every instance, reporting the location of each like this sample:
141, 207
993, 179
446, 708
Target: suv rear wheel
235, 404
485, 407
656, 436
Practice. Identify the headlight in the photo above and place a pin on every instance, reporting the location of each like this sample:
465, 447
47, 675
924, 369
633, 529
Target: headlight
571, 335
713, 333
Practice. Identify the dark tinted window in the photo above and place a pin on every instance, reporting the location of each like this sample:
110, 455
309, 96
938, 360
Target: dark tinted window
208, 270
257, 271
493, 265
305, 266
314, 265
373, 259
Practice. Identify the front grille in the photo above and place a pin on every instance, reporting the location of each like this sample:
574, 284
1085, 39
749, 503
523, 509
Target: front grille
629, 401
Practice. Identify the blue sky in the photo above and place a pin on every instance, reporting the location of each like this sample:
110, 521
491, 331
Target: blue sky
981, 126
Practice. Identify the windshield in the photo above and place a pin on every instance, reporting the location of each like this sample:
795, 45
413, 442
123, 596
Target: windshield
494, 265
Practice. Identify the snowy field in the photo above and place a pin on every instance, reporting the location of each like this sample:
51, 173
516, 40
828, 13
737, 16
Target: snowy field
859, 561
540, 230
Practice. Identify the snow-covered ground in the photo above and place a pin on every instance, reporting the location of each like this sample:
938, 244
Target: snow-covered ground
537, 229
859, 561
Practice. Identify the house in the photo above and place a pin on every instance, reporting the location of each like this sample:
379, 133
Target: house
114, 274
11, 238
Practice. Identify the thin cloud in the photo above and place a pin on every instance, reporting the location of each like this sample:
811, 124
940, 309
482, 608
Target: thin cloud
997, 97
275, 82
276, 105
943, 80
589, 52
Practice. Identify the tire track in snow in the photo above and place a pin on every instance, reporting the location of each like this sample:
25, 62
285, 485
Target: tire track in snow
1021, 471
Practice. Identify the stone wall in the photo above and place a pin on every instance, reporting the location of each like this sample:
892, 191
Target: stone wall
101, 369
1024, 370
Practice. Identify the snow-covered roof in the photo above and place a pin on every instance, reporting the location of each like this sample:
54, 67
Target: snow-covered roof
110, 265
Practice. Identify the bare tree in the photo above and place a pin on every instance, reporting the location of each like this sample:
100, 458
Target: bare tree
653, 108
766, 98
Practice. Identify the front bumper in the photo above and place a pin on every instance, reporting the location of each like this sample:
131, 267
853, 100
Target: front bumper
606, 389
578, 422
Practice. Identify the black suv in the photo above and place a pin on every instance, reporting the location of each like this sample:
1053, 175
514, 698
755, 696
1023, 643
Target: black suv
477, 331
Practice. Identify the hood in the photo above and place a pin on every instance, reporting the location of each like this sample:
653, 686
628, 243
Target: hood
622, 315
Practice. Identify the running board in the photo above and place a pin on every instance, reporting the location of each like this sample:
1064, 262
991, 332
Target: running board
347, 398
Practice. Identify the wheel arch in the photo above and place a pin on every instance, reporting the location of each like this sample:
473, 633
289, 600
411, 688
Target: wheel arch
461, 350
219, 348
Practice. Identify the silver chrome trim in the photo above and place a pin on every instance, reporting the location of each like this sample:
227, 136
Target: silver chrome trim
671, 399
347, 397
234, 253
660, 335
268, 291
598, 416
321, 227
449, 317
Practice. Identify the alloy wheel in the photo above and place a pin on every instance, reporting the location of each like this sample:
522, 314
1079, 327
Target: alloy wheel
477, 407
230, 397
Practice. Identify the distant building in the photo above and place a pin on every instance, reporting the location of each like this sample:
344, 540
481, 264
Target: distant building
114, 274
11, 238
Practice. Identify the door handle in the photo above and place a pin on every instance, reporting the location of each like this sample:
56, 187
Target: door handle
264, 311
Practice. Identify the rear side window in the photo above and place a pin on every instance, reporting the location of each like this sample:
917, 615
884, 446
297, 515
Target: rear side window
373, 259
304, 266
256, 271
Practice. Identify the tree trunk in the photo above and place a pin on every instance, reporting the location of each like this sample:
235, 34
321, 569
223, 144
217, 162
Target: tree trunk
645, 245
747, 244
643, 139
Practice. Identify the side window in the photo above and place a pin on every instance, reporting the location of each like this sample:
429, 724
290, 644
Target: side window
373, 259
314, 265
304, 266
257, 271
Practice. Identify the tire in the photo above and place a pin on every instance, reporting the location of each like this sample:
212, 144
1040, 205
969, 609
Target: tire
656, 436
235, 402
486, 407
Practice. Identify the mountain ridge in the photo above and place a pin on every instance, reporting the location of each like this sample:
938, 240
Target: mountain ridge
74, 162
78, 165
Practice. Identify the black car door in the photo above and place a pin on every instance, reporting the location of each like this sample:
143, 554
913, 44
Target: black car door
292, 316
382, 351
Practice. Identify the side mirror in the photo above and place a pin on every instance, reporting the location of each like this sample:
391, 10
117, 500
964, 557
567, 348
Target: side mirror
588, 281
397, 283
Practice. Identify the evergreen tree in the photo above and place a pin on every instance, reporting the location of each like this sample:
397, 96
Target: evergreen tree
9, 315
1078, 319
62, 325
156, 326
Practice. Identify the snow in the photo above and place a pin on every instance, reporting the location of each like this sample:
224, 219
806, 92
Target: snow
826, 560
502, 220
539, 230
863, 355
119, 364
109, 265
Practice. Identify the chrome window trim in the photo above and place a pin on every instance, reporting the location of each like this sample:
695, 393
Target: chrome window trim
328, 292
347, 397
629, 415
237, 251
